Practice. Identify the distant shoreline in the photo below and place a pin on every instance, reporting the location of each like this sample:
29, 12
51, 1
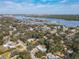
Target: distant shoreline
65, 17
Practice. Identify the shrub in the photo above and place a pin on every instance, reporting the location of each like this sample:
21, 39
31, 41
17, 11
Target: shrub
39, 54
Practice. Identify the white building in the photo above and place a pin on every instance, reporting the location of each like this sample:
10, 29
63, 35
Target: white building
31, 29
50, 56
9, 44
70, 51
14, 29
31, 39
65, 28
41, 48
53, 31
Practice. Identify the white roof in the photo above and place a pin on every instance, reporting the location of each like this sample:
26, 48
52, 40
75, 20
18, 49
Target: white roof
9, 44
51, 56
39, 47
31, 39
70, 51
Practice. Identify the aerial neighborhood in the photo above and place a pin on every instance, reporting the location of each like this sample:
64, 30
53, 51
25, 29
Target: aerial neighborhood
39, 29
19, 40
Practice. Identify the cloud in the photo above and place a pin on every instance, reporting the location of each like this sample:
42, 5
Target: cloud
31, 8
63, 1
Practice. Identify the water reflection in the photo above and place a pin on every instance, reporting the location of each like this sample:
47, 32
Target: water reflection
50, 21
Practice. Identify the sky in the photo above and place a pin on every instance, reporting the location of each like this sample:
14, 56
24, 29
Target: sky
39, 7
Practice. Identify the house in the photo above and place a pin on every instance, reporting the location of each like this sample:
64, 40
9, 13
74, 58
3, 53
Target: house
45, 37
17, 34
65, 28
58, 27
41, 48
31, 40
14, 29
10, 27
31, 29
9, 44
70, 51
53, 31
51, 56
